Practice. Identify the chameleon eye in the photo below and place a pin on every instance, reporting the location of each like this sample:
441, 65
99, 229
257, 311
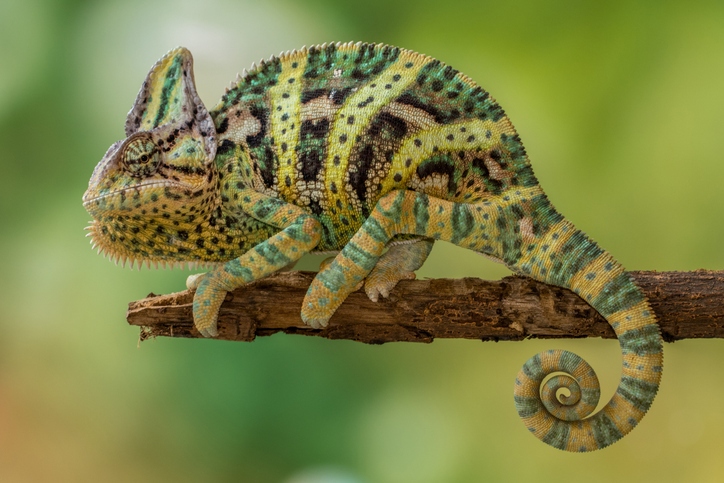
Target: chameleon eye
141, 157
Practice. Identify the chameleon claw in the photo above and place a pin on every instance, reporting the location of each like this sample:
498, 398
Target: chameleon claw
376, 285
209, 332
193, 281
312, 318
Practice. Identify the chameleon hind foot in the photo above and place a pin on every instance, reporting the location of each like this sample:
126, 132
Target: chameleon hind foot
398, 263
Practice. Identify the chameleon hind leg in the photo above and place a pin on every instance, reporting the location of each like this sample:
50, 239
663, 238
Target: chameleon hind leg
399, 262
299, 234
398, 212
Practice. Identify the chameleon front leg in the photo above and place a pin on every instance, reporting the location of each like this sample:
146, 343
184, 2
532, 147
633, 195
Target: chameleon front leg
299, 234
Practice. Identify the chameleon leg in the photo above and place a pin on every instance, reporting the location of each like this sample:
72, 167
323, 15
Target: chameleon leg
398, 212
398, 263
299, 234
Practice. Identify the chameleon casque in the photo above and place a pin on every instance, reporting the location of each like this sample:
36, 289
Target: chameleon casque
373, 152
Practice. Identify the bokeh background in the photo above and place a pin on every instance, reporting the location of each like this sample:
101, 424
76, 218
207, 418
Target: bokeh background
621, 107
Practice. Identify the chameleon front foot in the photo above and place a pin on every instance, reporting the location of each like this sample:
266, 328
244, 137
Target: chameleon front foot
193, 281
327, 292
207, 301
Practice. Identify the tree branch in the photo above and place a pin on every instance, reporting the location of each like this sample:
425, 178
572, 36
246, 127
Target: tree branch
687, 304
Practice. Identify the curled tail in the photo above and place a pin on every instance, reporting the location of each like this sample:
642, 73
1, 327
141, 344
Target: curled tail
566, 257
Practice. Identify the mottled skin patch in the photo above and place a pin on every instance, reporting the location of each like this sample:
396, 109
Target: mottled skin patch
374, 152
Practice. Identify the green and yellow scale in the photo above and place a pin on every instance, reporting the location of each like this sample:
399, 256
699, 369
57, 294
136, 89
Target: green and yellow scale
373, 152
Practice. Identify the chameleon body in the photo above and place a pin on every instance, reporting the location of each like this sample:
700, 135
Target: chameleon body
373, 152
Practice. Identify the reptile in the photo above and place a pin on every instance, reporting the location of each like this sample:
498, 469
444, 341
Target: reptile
372, 152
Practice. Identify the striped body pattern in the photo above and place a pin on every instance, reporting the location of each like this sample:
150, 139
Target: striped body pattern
373, 152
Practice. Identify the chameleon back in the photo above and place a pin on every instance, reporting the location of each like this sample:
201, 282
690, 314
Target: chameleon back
334, 128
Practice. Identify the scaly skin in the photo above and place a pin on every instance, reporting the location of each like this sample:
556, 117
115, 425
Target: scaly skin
358, 149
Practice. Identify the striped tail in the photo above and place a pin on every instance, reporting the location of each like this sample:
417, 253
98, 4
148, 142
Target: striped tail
566, 257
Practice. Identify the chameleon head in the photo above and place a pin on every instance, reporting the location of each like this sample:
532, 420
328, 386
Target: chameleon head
152, 187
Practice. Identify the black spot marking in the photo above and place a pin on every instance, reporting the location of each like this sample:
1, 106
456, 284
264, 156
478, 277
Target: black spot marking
313, 94
262, 115
358, 178
223, 126
395, 126
225, 147
339, 95
367, 101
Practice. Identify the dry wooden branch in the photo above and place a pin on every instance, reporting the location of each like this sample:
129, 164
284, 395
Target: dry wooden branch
688, 305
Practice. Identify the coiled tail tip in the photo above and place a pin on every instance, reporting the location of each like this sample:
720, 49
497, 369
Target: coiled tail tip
554, 410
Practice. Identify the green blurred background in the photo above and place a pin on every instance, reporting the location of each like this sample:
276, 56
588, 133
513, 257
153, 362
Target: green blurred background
621, 107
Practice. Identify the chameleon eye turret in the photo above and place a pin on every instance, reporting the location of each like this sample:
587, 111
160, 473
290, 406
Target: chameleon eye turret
141, 156
374, 152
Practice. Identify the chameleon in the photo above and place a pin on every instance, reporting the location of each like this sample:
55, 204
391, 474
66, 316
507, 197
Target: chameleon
371, 152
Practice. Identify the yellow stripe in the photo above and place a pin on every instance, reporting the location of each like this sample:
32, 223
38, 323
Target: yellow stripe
631, 318
423, 144
619, 410
364, 105
158, 78
581, 436
285, 122
632, 362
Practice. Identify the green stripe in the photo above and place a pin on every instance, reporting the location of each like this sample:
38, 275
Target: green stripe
577, 252
638, 392
641, 341
359, 256
533, 368
394, 212
462, 222
169, 83
605, 431
272, 254
618, 294
235, 269
422, 214
558, 435
527, 406
332, 278
375, 230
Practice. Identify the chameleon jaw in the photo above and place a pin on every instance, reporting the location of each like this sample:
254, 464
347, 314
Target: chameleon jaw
88, 199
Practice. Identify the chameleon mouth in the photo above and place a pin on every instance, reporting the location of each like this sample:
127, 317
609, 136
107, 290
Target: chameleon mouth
88, 199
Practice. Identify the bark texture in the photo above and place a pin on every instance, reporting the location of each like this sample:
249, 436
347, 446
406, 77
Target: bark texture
687, 304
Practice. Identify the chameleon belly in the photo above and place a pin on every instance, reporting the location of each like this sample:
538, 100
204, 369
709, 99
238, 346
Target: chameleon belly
354, 148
